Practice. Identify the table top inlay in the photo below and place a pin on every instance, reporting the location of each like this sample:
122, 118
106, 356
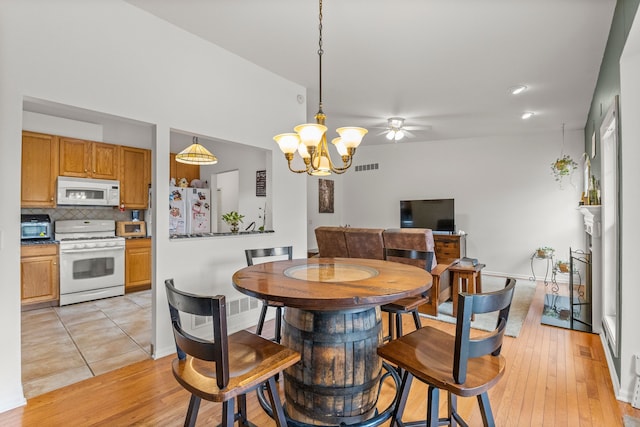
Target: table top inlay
330, 272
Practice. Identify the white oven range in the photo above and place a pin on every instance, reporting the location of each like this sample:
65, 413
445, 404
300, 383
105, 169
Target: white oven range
91, 260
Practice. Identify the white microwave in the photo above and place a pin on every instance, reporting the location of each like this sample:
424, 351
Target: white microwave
88, 192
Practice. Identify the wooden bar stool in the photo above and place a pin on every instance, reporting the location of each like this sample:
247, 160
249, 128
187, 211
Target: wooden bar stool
465, 279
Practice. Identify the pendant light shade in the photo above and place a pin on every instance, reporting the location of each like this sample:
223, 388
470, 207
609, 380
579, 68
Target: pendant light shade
196, 154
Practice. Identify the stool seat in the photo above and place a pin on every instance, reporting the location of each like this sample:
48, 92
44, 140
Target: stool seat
465, 279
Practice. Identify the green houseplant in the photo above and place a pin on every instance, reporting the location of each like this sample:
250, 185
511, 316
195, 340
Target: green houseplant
233, 218
563, 266
545, 252
563, 166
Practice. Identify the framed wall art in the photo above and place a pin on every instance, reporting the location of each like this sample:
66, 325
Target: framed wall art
325, 193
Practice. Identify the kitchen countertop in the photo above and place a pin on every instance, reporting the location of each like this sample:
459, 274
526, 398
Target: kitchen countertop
39, 242
199, 235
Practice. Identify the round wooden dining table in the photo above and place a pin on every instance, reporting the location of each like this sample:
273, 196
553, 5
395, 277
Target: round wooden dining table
332, 318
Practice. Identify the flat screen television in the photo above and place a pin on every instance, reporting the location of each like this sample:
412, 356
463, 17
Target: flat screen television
436, 214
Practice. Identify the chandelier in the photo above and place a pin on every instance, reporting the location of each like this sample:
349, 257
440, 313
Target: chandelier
310, 139
196, 154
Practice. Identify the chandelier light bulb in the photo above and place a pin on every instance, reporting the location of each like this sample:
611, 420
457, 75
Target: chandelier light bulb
342, 150
302, 150
391, 135
399, 135
527, 115
351, 136
288, 142
310, 133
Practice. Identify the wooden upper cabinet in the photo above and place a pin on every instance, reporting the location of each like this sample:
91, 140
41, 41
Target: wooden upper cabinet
39, 170
105, 160
135, 177
88, 159
179, 170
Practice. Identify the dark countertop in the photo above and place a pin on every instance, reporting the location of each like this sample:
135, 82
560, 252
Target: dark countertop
39, 242
199, 235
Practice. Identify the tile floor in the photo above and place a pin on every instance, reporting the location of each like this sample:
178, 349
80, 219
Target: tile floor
64, 345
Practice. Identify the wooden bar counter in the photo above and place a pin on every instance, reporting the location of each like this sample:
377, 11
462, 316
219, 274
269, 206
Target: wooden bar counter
332, 317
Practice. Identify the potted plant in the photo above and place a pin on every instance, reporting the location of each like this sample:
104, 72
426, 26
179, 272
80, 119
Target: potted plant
233, 218
563, 166
563, 266
545, 252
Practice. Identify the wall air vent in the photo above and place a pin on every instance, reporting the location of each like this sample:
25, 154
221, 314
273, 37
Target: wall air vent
234, 308
369, 167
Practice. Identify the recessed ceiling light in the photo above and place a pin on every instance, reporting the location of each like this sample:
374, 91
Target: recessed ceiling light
527, 115
515, 90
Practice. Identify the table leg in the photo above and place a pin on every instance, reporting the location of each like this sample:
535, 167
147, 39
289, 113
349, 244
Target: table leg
318, 389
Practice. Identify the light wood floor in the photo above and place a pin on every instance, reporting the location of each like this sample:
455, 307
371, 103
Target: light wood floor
554, 377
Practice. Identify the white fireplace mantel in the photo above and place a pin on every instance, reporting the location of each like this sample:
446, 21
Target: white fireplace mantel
592, 220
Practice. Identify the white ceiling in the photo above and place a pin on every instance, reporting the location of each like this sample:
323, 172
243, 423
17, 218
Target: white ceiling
444, 65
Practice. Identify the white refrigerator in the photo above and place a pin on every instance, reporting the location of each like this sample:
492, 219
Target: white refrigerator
189, 210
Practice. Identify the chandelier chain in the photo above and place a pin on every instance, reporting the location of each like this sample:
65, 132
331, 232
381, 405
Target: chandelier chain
310, 140
320, 52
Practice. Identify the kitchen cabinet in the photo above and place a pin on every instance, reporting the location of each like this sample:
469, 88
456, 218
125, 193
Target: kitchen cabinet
39, 170
39, 275
135, 177
137, 264
88, 159
179, 170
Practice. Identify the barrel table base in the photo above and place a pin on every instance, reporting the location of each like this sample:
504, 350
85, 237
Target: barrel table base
337, 379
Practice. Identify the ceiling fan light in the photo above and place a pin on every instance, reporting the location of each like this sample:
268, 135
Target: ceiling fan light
527, 115
351, 136
288, 142
310, 133
396, 122
391, 135
399, 135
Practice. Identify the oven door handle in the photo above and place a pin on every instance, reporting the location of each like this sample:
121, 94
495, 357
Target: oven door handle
104, 249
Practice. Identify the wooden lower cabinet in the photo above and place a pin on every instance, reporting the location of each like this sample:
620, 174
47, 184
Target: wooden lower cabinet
137, 267
450, 247
39, 276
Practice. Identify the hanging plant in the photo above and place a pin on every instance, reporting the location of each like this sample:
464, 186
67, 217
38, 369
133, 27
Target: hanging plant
563, 166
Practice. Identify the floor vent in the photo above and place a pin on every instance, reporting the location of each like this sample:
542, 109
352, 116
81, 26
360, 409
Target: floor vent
369, 167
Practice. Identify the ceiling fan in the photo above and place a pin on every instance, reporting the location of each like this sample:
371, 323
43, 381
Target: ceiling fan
396, 129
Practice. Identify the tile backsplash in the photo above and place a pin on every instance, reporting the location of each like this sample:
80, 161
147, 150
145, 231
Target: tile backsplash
93, 212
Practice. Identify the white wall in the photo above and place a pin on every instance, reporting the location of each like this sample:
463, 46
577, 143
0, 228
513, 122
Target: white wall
113, 58
506, 198
630, 195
